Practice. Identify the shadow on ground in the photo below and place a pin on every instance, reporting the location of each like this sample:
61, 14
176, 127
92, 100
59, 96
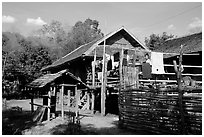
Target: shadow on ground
14, 122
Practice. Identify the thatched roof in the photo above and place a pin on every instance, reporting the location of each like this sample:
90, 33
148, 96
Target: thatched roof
49, 78
87, 49
192, 43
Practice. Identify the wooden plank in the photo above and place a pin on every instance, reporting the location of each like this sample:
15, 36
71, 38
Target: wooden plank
40, 105
184, 74
185, 66
68, 85
169, 81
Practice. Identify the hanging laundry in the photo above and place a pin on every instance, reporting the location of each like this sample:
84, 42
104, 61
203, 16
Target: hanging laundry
112, 59
157, 63
100, 76
146, 70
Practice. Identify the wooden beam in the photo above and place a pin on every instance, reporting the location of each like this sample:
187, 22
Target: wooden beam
62, 101
49, 103
68, 85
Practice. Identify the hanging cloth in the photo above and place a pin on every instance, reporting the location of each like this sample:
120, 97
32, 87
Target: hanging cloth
157, 63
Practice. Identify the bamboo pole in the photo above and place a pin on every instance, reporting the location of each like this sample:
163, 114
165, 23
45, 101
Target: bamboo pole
62, 101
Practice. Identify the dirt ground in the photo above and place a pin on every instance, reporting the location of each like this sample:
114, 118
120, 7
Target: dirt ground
90, 124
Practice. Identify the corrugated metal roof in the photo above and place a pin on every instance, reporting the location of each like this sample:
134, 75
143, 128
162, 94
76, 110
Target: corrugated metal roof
192, 43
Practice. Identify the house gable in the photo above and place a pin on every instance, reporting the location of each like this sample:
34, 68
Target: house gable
115, 38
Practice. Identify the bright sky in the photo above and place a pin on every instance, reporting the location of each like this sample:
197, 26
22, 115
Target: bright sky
141, 19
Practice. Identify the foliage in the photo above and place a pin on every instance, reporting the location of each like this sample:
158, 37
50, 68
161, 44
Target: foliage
22, 64
24, 57
81, 33
155, 41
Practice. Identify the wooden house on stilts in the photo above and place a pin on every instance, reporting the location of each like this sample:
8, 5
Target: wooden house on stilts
102, 64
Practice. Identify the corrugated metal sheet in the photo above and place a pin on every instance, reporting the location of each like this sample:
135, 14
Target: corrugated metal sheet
192, 43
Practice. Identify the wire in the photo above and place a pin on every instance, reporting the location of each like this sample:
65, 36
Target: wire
164, 20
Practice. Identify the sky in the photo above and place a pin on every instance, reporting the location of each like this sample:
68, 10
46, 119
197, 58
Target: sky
141, 19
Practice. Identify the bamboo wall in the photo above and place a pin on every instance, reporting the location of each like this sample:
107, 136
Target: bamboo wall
157, 111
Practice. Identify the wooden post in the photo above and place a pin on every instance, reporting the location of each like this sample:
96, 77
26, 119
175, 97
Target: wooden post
121, 83
103, 88
49, 106
93, 69
69, 98
32, 101
104, 78
88, 100
180, 92
77, 96
121, 67
136, 71
92, 101
62, 101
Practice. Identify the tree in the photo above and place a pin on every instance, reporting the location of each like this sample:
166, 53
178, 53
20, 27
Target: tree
81, 33
155, 41
54, 32
23, 64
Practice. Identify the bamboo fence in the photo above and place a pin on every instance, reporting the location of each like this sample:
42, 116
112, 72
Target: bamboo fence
158, 111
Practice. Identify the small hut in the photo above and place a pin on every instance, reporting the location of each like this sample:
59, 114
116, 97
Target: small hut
57, 88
